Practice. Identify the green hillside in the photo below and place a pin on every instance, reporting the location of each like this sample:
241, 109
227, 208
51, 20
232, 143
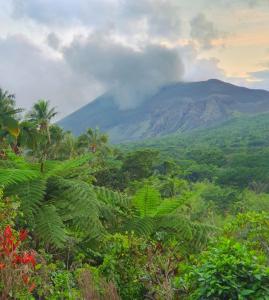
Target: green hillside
240, 132
234, 153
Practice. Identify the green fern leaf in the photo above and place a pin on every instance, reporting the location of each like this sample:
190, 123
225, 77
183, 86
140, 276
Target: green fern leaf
50, 228
13, 176
147, 201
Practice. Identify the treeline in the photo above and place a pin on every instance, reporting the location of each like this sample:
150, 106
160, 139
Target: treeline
81, 219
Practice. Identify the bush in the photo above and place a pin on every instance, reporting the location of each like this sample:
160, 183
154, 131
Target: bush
123, 261
228, 271
16, 266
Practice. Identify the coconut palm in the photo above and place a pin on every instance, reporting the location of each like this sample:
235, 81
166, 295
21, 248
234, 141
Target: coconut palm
41, 114
94, 140
8, 112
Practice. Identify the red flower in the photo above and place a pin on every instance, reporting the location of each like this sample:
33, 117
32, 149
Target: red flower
2, 266
23, 235
28, 258
17, 259
6, 250
32, 287
8, 232
25, 278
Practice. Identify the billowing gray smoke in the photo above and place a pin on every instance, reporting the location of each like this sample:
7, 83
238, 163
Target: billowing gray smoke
131, 74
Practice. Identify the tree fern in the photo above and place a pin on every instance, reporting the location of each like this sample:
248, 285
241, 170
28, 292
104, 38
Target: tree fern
61, 168
141, 226
147, 201
49, 226
13, 176
31, 194
76, 202
155, 215
111, 197
167, 206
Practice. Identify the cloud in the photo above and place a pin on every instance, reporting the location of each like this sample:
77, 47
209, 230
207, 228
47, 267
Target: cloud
92, 66
162, 18
157, 18
131, 74
199, 69
260, 75
53, 40
28, 73
259, 79
62, 12
204, 31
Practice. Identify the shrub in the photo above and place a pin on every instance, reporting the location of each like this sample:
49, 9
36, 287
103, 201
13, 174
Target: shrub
228, 271
17, 266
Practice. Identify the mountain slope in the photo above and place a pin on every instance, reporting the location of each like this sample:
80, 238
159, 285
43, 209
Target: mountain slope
175, 108
248, 132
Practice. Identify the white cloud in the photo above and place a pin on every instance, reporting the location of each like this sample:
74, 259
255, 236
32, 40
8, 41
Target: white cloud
29, 74
131, 74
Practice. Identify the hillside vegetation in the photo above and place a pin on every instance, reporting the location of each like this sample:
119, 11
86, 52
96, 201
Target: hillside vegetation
181, 217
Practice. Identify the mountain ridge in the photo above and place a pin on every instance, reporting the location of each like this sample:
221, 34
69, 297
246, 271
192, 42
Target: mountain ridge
178, 107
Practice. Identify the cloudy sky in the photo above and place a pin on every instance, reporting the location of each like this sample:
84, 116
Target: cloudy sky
70, 51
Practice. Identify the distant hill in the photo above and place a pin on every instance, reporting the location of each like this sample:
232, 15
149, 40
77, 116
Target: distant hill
244, 132
179, 107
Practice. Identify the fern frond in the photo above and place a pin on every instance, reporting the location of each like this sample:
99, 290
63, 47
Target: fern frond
147, 201
60, 168
111, 197
167, 206
31, 194
141, 226
76, 201
195, 233
13, 176
49, 226
174, 225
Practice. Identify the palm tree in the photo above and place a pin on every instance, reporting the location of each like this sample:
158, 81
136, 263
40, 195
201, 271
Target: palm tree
42, 115
93, 139
8, 112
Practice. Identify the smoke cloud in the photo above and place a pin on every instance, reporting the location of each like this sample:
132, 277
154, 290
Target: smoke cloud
131, 74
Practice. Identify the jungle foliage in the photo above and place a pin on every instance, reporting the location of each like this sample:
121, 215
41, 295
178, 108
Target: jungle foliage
184, 217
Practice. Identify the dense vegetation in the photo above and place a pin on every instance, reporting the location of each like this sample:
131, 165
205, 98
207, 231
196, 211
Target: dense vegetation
184, 217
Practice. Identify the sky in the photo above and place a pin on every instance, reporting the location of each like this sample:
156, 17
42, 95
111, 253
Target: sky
71, 51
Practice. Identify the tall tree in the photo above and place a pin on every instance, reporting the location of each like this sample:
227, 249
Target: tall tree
41, 114
8, 112
93, 139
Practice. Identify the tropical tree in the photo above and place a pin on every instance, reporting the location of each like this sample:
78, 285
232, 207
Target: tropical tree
9, 126
41, 114
58, 203
153, 214
93, 140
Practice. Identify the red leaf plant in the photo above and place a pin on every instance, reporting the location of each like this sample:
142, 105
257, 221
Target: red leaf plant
16, 266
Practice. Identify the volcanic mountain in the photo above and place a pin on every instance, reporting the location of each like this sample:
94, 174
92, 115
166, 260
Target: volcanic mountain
175, 108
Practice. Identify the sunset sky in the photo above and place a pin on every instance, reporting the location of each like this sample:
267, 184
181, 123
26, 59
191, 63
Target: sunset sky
70, 51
